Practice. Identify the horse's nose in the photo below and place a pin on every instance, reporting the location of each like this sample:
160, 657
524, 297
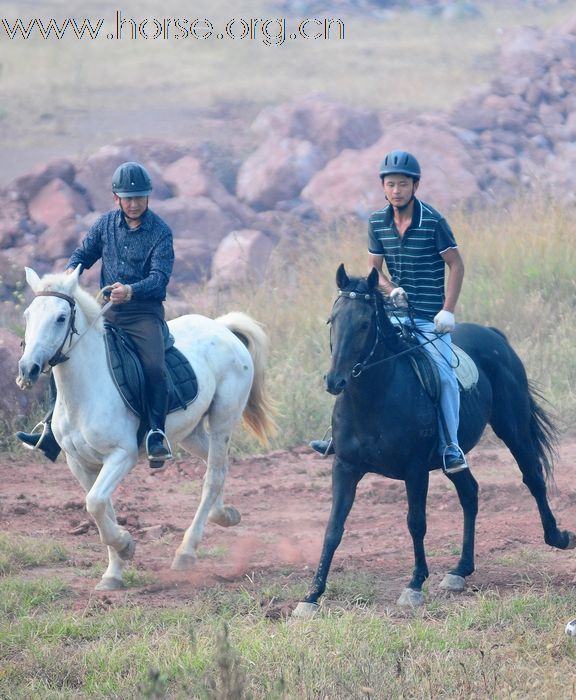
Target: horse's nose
29, 372
334, 385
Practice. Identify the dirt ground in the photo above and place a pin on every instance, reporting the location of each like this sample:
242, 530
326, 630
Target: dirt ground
284, 498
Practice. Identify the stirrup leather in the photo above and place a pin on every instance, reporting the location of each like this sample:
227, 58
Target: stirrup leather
157, 431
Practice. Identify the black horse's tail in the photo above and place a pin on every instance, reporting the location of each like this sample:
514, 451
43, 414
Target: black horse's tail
544, 433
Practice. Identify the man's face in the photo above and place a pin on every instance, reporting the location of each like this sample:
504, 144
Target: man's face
133, 207
399, 189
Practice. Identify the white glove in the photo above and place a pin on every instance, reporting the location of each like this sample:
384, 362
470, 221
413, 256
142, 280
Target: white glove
399, 297
444, 321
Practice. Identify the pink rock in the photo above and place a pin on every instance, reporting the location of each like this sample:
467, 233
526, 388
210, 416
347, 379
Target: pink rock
27, 186
192, 260
196, 218
15, 403
329, 125
188, 178
94, 175
241, 256
276, 171
57, 202
350, 185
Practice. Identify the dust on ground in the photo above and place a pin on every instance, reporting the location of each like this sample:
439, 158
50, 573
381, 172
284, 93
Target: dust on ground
284, 498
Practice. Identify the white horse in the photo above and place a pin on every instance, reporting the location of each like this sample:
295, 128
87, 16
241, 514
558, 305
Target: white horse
98, 433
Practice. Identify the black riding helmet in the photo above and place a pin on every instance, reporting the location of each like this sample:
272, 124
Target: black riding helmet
131, 180
400, 163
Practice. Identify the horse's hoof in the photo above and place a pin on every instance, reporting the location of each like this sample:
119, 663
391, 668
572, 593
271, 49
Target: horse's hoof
110, 583
411, 597
571, 540
183, 562
305, 611
226, 517
571, 628
453, 582
128, 551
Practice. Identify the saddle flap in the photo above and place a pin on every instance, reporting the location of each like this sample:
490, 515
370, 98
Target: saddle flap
128, 375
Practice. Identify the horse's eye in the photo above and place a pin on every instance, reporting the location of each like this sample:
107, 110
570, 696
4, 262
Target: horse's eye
61, 318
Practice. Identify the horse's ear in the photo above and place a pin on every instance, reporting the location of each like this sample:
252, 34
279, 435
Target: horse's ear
342, 279
75, 274
32, 279
372, 279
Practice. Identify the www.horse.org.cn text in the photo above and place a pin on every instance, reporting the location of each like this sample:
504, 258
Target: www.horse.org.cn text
270, 32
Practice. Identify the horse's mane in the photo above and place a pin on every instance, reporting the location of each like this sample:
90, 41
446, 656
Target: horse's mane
59, 282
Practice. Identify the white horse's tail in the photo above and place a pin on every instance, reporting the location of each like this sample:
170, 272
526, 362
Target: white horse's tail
260, 409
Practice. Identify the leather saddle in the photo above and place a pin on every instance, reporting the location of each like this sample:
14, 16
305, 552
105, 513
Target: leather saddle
427, 372
128, 376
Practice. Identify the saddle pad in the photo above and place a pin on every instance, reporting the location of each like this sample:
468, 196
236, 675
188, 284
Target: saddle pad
466, 370
128, 376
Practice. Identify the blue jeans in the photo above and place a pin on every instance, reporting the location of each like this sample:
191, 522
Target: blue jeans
440, 350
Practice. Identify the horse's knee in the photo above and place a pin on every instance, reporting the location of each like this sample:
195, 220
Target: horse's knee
95, 505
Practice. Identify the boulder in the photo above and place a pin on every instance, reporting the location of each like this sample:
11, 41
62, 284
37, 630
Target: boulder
15, 405
196, 218
94, 175
13, 220
189, 177
58, 241
328, 124
241, 256
28, 186
350, 184
192, 260
276, 171
55, 203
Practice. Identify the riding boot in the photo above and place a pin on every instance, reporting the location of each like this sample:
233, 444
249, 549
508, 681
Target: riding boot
324, 447
44, 440
158, 448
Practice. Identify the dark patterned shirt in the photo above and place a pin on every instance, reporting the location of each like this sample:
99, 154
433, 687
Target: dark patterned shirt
142, 257
414, 261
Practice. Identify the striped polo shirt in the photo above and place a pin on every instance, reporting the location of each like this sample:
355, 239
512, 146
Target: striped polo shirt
414, 261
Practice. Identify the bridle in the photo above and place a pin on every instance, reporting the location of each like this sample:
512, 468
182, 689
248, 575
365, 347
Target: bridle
381, 335
59, 356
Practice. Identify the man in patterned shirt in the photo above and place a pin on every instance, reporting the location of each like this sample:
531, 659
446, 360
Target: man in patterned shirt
135, 246
416, 243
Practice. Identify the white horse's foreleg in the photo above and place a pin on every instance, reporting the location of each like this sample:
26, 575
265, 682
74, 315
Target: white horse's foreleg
98, 503
226, 516
211, 491
112, 577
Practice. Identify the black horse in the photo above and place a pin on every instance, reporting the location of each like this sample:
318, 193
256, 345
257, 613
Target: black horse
385, 422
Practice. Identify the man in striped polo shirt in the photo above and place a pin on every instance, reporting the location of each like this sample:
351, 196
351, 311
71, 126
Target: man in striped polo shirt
416, 243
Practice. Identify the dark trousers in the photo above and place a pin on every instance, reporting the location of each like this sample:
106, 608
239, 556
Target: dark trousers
144, 323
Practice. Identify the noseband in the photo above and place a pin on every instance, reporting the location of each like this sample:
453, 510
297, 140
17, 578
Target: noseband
59, 356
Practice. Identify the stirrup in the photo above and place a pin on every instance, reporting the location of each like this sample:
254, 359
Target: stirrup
153, 458
45, 426
460, 466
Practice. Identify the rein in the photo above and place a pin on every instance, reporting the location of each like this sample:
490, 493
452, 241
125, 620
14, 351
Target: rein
59, 356
359, 367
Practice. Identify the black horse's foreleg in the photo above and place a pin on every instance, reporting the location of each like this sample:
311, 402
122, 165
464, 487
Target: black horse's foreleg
417, 493
345, 479
467, 489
